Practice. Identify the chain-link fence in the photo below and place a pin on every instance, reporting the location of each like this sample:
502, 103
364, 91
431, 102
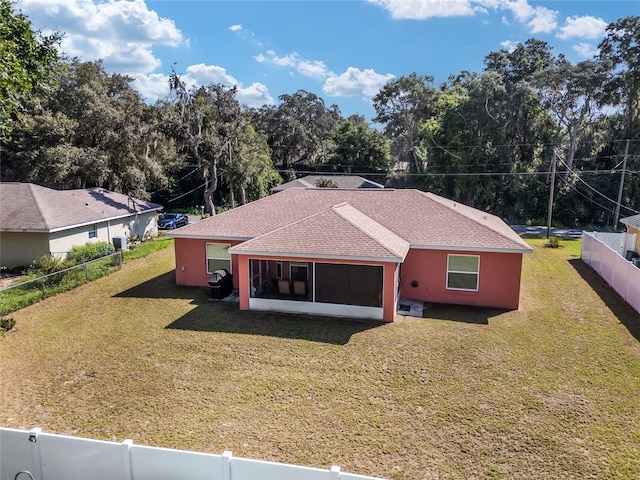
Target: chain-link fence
25, 293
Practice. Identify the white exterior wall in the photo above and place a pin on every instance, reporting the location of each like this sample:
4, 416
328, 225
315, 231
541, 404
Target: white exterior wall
61, 242
143, 225
313, 308
22, 248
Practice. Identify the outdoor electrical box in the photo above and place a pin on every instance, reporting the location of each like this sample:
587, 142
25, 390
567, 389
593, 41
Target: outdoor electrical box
120, 243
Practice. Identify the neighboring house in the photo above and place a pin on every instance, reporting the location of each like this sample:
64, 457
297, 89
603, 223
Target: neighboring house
342, 181
354, 253
633, 227
35, 220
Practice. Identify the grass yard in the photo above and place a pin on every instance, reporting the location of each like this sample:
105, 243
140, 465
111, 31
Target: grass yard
550, 391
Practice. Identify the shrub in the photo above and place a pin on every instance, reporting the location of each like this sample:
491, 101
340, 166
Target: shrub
89, 251
46, 265
553, 242
7, 323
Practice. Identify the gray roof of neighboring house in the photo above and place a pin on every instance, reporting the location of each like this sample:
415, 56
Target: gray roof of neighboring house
633, 221
26, 207
391, 218
342, 181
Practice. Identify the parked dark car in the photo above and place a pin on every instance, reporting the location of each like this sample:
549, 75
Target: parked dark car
169, 221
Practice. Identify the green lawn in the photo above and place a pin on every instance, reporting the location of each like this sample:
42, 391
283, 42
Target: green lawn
549, 391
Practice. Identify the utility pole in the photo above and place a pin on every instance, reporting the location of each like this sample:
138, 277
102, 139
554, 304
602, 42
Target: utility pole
551, 191
624, 167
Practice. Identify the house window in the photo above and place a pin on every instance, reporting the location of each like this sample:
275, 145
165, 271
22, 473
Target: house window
298, 271
218, 257
463, 272
93, 231
278, 269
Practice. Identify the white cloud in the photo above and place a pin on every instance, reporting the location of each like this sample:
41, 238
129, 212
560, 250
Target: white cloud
355, 82
255, 95
585, 50
423, 9
156, 85
583, 27
538, 19
308, 68
202, 74
315, 69
543, 20
273, 59
152, 86
509, 45
121, 33
245, 34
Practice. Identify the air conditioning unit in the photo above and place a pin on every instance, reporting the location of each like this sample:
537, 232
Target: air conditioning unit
120, 243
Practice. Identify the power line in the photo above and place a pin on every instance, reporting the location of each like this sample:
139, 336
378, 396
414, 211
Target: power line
458, 174
187, 193
572, 187
569, 169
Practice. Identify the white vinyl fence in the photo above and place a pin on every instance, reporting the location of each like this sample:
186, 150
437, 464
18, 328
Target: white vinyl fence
621, 274
33, 455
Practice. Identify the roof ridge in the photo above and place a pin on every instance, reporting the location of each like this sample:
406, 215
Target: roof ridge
443, 201
367, 233
288, 225
36, 201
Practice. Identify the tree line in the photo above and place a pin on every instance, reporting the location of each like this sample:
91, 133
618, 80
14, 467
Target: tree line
487, 139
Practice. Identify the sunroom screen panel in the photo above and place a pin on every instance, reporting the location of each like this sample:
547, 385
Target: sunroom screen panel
349, 284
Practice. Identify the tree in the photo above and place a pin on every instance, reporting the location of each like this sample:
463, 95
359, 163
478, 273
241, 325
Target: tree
620, 52
402, 106
358, 146
204, 121
249, 168
28, 61
572, 95
299, 129
92, 130
324, 182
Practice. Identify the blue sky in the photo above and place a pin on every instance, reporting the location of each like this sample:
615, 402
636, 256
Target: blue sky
341, 50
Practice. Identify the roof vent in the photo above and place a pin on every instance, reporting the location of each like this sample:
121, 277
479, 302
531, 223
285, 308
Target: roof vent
87, 204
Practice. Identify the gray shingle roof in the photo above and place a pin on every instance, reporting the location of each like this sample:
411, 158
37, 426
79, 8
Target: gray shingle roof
633, 221
421, 219
342, 181
339, 231
30, 207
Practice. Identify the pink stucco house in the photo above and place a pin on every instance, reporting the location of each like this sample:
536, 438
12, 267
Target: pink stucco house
354, 253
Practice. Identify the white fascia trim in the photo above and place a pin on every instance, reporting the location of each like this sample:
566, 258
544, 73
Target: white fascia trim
102, 220
174, 234
472, 249
287, 255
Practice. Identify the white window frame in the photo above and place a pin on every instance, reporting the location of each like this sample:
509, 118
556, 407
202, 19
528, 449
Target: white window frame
279, 269
93, 232
207, 257
477, 273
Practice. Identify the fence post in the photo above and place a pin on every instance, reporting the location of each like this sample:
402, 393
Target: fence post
225, 466
126, 459
42, 287
86, 272
334, 473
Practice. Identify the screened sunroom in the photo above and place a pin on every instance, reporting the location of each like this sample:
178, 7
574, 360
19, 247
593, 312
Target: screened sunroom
320, 287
